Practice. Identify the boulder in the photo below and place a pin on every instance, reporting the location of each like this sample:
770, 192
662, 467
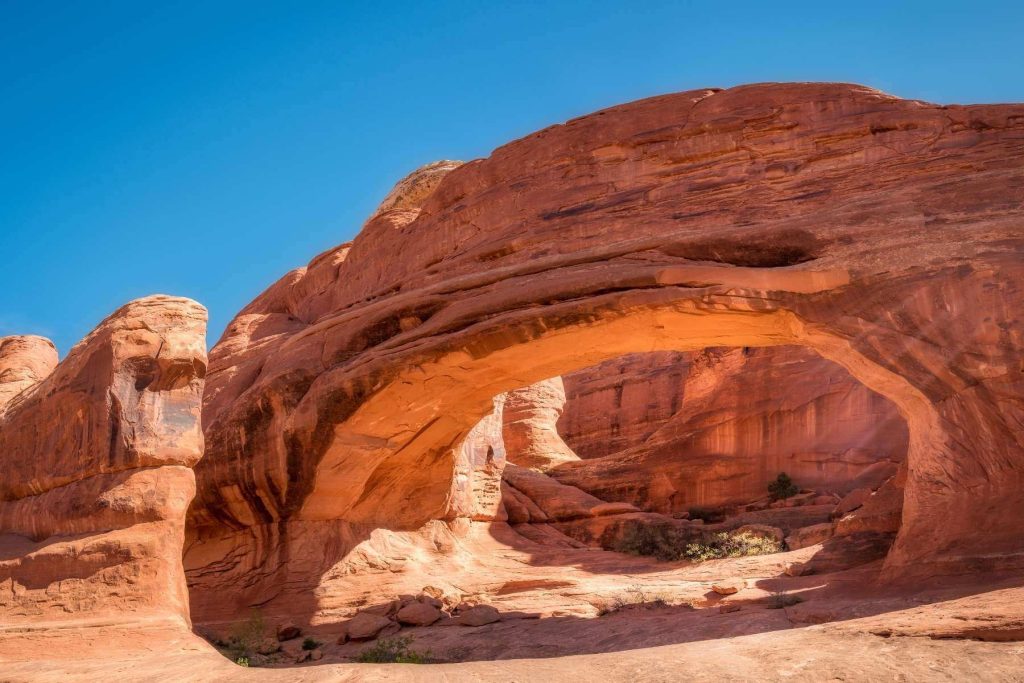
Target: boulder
880, 513
418, 614
795, 569
432, 601
366, 626
478, 615
851, 501
727, 588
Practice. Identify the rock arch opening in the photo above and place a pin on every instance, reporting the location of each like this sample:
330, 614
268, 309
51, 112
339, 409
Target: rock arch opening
406, 442
666, 448
338, 400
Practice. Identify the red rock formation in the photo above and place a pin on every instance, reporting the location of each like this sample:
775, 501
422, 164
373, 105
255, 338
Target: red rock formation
881, 233
530, 425
476, 486
96, 454
24, 362
619, 404
739, 418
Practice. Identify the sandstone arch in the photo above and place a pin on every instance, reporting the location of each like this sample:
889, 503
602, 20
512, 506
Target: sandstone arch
882, 233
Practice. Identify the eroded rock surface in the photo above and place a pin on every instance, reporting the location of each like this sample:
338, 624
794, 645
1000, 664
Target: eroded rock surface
97, 454
883, 234
724, 425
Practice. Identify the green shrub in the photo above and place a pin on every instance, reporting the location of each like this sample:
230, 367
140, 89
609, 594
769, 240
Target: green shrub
731, 545
245, 638
662, 541
783, 487
310, 644
392, 651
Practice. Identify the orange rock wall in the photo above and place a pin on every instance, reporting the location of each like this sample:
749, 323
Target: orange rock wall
717, 427
97, 454
618, 404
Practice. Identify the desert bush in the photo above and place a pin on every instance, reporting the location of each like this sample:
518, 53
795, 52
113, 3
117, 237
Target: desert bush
392, 651
244, 639
783, 487
310, 644
662, 541
726, 544
780, 600
634, 595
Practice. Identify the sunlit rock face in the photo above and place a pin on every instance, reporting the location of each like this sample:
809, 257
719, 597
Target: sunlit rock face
530, 430
620, 403
883, 234
669, 432
97, 453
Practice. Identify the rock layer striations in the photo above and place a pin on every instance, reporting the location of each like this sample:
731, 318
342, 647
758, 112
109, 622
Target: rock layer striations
97, 454
883, 234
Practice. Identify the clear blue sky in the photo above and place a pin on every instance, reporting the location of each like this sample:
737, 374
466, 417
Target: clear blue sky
205, 148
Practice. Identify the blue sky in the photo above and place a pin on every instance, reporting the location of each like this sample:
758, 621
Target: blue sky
205, 148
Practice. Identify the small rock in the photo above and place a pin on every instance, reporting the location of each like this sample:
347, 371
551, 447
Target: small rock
795, 569
478, 615
288, 631
303, 657
268, 646
365, 626
725, 588
725, 609
418, 614
316, 655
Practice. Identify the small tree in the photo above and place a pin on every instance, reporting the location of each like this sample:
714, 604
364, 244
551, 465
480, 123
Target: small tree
783, 487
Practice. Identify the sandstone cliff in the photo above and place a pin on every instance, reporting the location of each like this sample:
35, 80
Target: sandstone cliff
715, 427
